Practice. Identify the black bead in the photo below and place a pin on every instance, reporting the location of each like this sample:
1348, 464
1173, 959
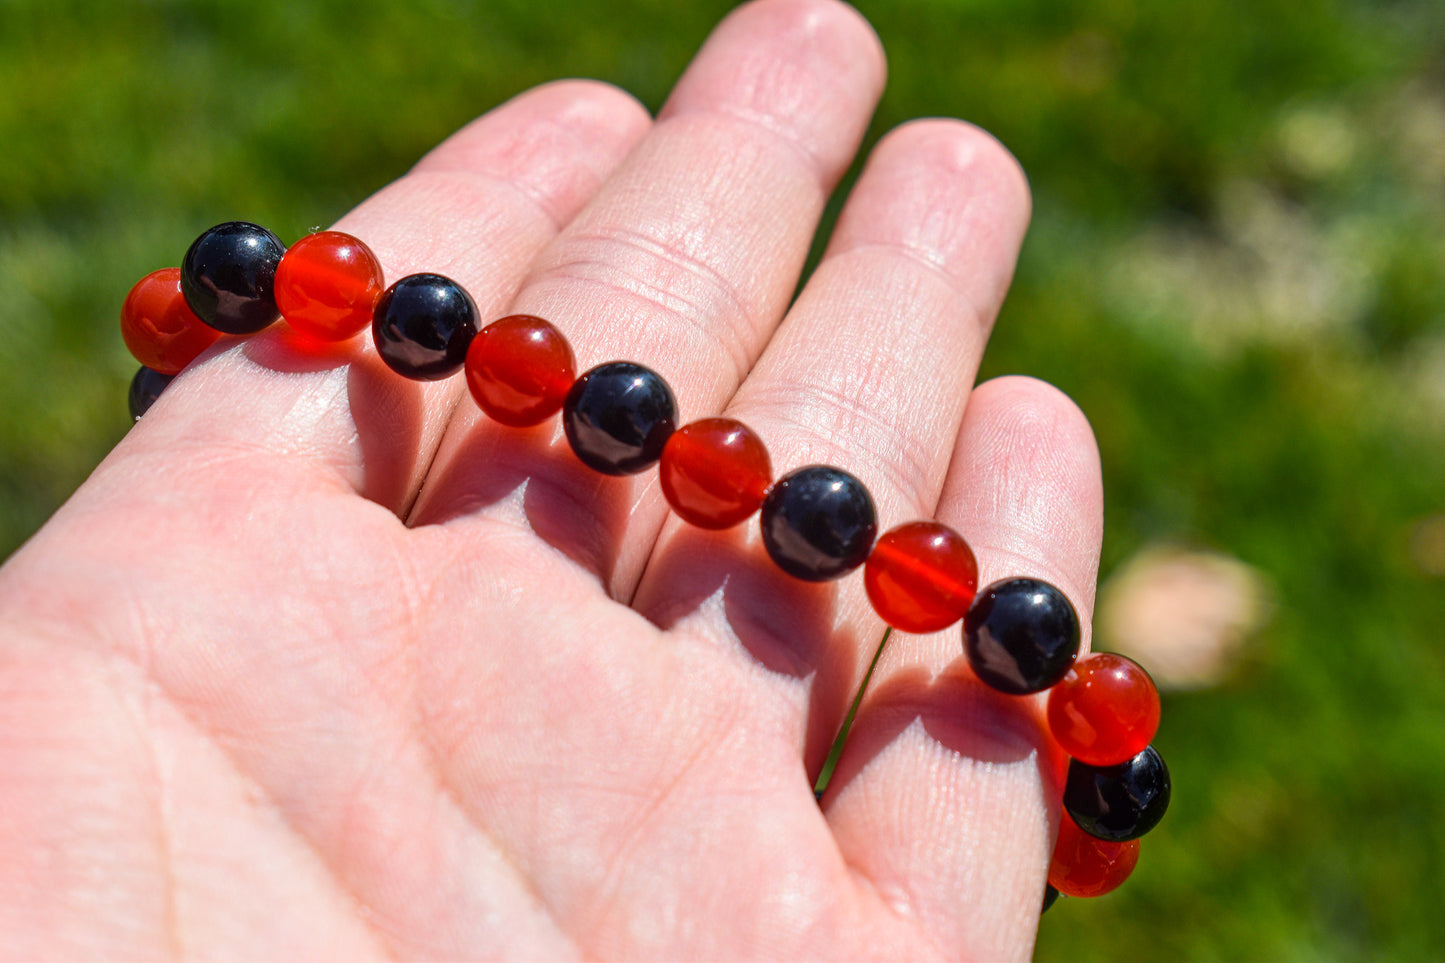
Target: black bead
618, 416
1118, 802
229, 277
423, 325
1021, 635
818, 523
145, 388
1051, 896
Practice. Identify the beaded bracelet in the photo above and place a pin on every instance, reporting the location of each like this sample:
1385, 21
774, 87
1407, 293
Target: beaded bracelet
1020, 635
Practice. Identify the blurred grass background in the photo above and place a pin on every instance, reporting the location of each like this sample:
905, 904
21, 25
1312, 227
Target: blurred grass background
1237, 267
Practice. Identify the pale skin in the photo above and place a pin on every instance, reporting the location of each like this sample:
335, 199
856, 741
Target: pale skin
320, 663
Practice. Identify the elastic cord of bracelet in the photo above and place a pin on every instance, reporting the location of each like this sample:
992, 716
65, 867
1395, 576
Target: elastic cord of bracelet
1020, 635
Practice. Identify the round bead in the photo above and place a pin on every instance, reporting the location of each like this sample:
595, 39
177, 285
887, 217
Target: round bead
519, 370
1021, 635
921, 577
159, 328
145, 388
1085, 866
1105, 710
1118, 802
618, 417
229, 276
423, 326
818, 523
715, 472
327, 285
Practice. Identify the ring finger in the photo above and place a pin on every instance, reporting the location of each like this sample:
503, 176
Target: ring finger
869, 373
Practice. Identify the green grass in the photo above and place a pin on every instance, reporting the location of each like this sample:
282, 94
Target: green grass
1237, 267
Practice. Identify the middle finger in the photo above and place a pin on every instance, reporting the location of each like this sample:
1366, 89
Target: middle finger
684, 262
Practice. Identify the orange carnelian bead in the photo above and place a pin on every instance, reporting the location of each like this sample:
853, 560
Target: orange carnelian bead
327, 285
1105, 710
1085, 866
520, 369
159, 327
921, 577
715, 472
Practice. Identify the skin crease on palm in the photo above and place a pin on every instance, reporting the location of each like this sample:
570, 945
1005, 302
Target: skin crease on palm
321, 664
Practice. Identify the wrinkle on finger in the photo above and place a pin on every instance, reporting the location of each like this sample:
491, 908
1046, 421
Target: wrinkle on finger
1022, 428
949, 195
578, 133
779, 52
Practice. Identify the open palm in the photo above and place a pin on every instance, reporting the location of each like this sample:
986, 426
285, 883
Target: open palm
321, 663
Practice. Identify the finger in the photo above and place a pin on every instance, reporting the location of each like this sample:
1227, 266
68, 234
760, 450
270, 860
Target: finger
477, 209
946, 796
872, 366
684, 263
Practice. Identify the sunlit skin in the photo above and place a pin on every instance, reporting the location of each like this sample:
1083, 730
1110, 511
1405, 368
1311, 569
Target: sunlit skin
323, 663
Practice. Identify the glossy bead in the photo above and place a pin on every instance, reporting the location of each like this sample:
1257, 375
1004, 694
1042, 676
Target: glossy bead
921, 577
715, 472
327, 285
519, 370
229, 276
159, 328
145, 388
1083, 865
1021, 635
618, 417
1105, 710
818, 523
1118, 802
423, 326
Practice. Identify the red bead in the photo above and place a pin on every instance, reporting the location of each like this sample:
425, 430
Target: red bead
921, 577
1105, 711
520, 370
1085, 866
715, 472
159, 327
327, 285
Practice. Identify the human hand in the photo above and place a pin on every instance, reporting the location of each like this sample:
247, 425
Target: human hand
321, 663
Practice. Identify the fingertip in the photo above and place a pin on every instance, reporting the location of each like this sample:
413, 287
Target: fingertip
1029, 487
553, 146
1034, 417
962, 149
767, 63
950, 194
590, 112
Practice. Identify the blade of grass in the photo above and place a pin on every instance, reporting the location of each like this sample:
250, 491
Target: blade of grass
831, 762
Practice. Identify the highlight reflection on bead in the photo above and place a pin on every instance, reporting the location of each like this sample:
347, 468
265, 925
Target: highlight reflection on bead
1105, 710
1021, 635
327, 285
519, 370
1083, 865
921, 577
229, 274
423, 326
818, 523
159, 328
618, 417
715, 472
1118, 802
